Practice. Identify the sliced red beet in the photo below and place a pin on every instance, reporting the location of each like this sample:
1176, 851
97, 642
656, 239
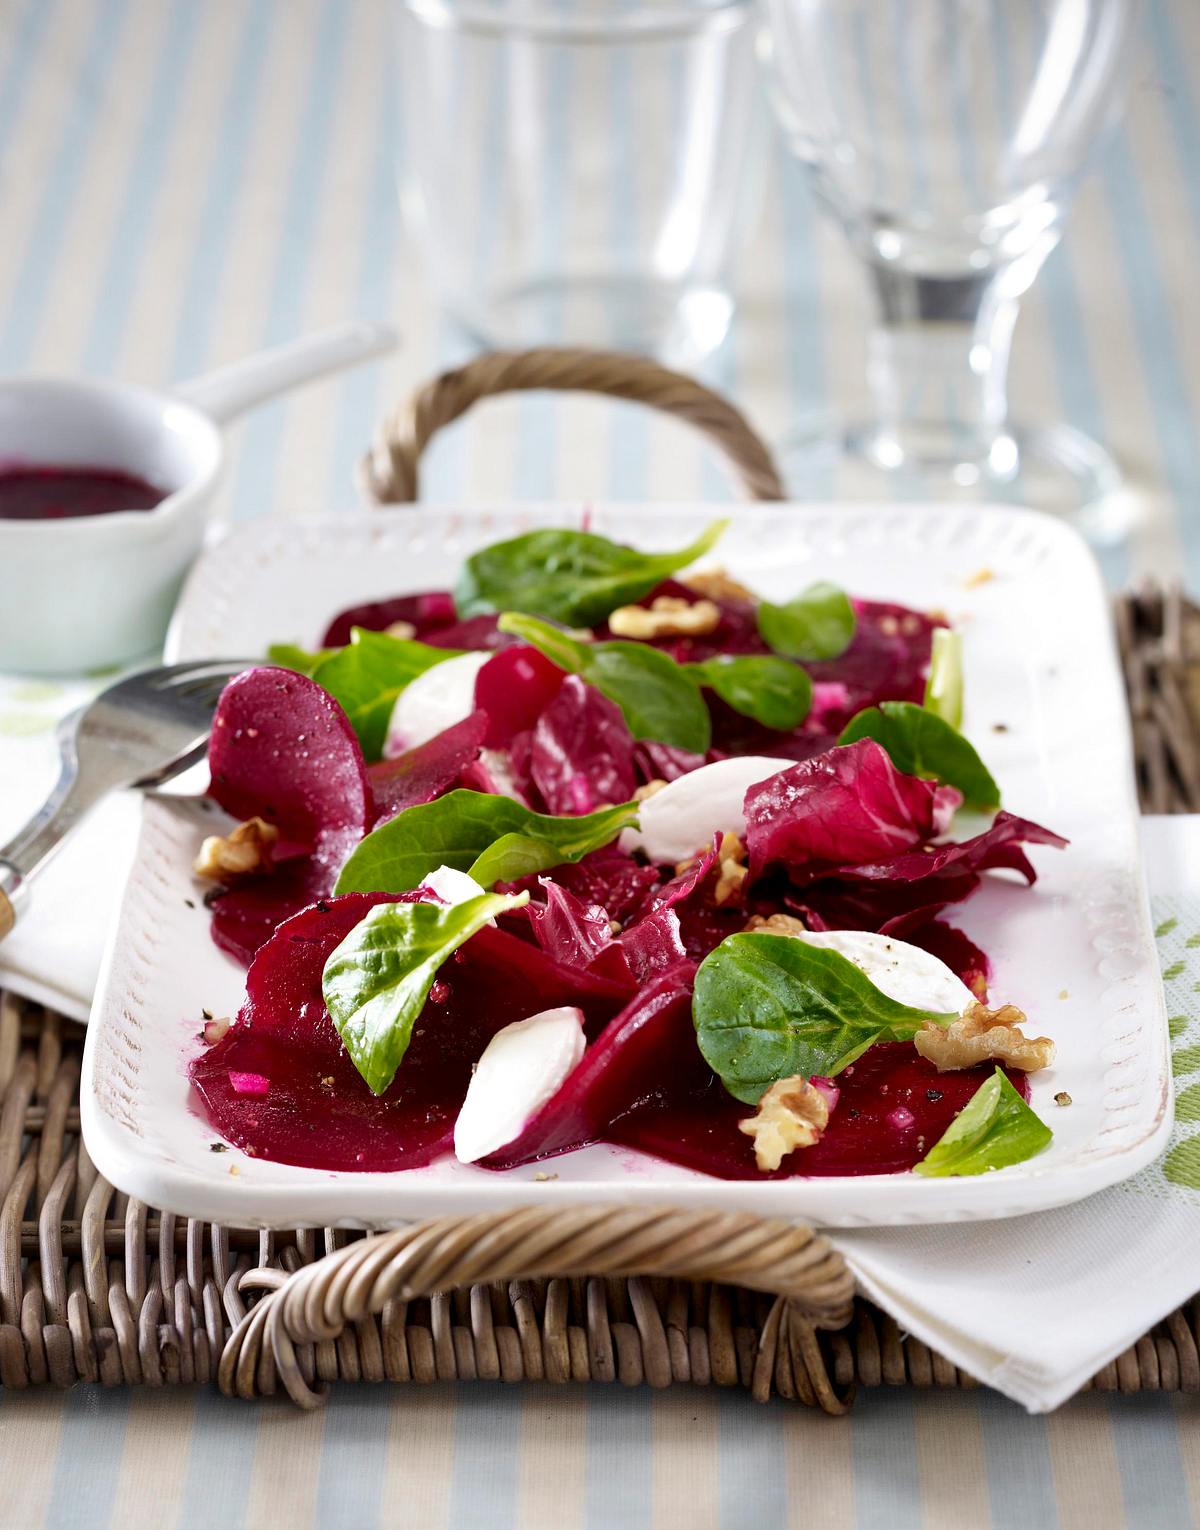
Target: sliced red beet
421, 774
892, 1107
581, 751
317, 1111
887, 660
849, 805
650, 1041
958, 951
283, 749
514, 688
426, 614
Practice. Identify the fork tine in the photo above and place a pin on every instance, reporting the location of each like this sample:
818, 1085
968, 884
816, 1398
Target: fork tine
177, 676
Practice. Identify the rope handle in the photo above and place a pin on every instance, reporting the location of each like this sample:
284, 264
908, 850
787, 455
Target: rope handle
318, 1302
389, 473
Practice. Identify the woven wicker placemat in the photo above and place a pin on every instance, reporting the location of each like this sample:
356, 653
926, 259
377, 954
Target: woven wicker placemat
97, 1287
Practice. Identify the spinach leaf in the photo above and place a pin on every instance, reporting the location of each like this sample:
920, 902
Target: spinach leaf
818, 624
289, 656
769, 1006
775, 692
368, 674
921, 743
575, 577
657, 697
376, 982
944, 688
994, 1129
493, 838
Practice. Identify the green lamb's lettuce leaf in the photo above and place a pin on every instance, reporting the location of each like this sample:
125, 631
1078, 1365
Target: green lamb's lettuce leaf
367, 675
657, 697
376, 982
774, 692
575, 577
289, 656
493, 838
766, 1007
993, 1130
920, 743
944, 688
817, 624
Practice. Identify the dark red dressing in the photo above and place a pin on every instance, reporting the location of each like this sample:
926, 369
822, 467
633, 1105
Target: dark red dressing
893, 1108
66, 493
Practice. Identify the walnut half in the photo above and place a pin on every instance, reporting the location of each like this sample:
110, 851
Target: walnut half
984, 1035
246, 849
775, 924
668, 616
791, 1114
730, 870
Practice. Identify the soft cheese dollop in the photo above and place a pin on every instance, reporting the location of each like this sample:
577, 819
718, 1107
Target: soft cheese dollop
433, 702
522, 1067
683, 816
903, 972
452, 886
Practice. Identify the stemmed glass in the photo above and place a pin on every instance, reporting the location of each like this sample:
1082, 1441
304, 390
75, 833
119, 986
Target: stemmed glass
947, 137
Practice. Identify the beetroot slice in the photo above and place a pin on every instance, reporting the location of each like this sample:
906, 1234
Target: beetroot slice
892, 1107
283, 749
426, 614
514, 688
317, 1110
421, 774
649, 1042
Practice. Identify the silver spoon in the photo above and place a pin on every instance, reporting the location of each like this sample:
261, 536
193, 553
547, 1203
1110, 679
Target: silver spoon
139, 732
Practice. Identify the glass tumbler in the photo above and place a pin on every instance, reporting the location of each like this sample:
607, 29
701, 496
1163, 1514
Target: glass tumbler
947, 137
577, 170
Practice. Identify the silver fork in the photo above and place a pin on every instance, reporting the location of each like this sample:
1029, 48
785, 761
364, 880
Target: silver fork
139, 732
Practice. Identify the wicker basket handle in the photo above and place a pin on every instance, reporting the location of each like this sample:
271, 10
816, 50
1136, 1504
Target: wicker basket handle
389, 471
320, 1300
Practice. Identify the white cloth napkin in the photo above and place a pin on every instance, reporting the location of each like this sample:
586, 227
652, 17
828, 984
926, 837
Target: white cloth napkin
53, 954
1035, 1305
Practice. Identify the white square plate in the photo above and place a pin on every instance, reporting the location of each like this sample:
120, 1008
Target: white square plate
1045, 706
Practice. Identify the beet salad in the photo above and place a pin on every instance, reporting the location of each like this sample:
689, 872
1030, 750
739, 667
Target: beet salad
600, 846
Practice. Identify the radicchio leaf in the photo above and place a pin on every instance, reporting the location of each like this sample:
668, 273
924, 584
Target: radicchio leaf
849, 805
581, 751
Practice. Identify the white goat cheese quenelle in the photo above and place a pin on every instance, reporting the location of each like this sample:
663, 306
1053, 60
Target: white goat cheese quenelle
683, 816
903, 972
522, 1067
453, 886
433, 702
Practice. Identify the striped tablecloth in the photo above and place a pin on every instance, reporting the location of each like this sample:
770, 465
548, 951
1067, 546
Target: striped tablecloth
182, 182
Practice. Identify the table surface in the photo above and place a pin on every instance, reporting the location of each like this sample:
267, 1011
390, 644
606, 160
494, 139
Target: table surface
182, 183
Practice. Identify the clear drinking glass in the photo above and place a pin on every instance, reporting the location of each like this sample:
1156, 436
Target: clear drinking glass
577, 169
947, 137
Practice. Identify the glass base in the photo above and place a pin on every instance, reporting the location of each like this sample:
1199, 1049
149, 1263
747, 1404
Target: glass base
679, 323
1054, 468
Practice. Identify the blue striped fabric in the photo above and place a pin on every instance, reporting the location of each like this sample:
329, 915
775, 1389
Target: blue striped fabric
249, 148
